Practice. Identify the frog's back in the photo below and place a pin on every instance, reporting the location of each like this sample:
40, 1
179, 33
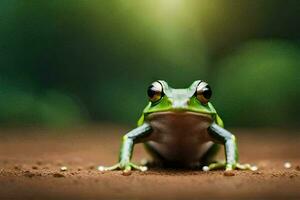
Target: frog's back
180, 137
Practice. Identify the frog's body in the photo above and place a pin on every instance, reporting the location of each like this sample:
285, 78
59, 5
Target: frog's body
180, 127
180, 138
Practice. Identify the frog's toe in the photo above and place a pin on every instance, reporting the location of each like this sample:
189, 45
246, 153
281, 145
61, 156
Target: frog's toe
141, 168
254, 168
114, 167
101, 168
246, 167
214, 166
205, 168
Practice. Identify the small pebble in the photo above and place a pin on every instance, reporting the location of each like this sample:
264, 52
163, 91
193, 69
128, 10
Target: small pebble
63, 168
205, 168
287, 165
297, 167
91, 167
34, 167
17, 167
58, 175
229, 173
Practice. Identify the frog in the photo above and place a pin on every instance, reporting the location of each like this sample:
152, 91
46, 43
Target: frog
180, 127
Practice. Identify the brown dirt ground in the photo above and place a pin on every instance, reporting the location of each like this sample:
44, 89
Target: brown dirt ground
30, 161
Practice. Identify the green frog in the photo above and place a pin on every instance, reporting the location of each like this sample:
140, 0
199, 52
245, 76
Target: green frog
180, 128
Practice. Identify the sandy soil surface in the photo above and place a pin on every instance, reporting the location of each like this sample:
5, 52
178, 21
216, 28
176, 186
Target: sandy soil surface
30, 162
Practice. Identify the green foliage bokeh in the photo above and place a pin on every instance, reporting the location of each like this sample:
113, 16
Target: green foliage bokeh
69, 62
259, 84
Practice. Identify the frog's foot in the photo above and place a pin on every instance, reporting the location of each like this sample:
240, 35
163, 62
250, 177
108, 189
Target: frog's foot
227, 167
127, 167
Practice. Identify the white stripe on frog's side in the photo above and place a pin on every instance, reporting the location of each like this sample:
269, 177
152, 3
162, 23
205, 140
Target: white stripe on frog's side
180, 137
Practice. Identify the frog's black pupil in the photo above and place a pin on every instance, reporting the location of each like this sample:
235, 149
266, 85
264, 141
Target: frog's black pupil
207, 92
151, 92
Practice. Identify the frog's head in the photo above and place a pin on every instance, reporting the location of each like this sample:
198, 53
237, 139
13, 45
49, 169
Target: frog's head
163, 98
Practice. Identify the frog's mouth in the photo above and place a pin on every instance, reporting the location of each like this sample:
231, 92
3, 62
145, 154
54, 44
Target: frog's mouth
180, 113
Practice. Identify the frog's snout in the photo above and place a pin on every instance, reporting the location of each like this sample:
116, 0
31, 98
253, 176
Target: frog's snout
180, 103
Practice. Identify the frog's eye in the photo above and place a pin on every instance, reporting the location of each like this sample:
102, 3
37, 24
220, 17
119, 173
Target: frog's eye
155, 91
203, 92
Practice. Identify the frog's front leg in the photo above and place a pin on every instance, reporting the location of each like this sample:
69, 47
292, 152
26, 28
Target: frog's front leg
137, 135
221, 135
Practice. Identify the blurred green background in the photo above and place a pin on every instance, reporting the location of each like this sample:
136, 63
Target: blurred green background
67, 62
